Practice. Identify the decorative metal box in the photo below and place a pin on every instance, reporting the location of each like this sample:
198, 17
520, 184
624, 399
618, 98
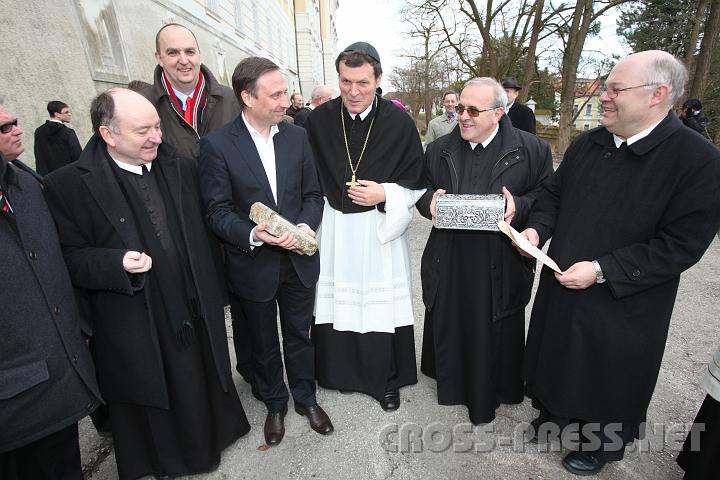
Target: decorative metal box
469, 212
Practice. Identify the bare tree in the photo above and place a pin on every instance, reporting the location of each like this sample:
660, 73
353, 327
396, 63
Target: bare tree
707, 46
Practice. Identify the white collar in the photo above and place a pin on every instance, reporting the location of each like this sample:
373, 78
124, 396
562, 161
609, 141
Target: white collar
362, 114
273, 130
136, 169
311, 106
487, 140
637, 136
509, 105
57, 121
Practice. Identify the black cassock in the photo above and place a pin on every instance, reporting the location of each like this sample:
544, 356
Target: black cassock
370, 362
647, 212
475, 360
202, 419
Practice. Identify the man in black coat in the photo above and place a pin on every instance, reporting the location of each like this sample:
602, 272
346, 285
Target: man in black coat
633, 204
475, 284
132, 232
259, 158
521, 116
55, 143
47, 381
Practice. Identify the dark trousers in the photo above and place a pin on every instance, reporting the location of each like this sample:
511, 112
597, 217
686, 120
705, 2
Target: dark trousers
241, 340
54, 457
295, 303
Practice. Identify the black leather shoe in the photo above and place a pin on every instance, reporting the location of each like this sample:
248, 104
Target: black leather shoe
391, 400
318, 419
275, 426
583, 463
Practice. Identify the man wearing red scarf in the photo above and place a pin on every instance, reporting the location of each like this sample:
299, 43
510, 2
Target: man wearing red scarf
189, 99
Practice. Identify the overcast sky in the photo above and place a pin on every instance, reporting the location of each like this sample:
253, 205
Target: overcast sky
379, 23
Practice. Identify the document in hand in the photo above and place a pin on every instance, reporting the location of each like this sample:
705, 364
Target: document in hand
523, 244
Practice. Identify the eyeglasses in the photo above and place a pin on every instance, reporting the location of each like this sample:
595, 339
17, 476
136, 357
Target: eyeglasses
471, 111
613, 92
7, 127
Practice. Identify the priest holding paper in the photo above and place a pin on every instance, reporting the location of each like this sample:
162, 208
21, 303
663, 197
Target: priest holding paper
475, 284
633, 204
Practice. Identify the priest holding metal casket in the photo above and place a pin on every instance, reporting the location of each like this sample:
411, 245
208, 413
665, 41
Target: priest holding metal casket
475, 284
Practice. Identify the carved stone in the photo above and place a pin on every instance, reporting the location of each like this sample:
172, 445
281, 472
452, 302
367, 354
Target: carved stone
277, 225
469, 212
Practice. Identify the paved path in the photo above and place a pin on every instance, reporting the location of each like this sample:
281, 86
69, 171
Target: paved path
355, 450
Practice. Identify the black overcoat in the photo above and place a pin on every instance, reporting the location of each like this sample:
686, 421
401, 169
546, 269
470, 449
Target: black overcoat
523, 163
522, 117
96, 229
647, 212
47, 380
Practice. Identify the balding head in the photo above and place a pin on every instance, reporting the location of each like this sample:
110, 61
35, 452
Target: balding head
320, 95
129, 125
178, 53
641, 89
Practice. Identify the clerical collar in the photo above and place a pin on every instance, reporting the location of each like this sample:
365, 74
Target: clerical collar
136, 169
182, 97
273, 130
488, 140
638, 136
362, 114
56, 121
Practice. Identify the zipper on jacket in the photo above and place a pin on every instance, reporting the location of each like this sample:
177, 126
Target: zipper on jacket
456, 185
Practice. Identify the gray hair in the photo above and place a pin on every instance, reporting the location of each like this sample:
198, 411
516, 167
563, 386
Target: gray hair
668, 70
319, 91
500, 98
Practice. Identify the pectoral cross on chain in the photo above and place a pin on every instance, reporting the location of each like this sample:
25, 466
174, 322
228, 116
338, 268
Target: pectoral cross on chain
352, 182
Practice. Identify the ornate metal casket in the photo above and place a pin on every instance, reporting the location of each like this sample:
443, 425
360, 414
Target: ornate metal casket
469, 212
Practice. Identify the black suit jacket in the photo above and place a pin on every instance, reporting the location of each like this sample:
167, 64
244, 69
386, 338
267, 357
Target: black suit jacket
522, 117
96, 229
232, 178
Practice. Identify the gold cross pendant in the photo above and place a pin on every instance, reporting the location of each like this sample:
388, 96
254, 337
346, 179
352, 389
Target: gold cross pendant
352, 182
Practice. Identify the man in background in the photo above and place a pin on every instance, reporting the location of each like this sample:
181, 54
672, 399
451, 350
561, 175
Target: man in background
55, 143
320, 95
443, 124
521, 116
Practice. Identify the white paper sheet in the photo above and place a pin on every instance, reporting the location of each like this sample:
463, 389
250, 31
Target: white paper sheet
527, 247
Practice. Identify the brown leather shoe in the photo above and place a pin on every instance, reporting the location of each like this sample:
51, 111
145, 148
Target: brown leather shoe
275, 426
318, 419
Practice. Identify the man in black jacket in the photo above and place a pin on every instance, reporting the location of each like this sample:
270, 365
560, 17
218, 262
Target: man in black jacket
475, 284
47, 381
55, 143
633, 204
521, 116
132, 231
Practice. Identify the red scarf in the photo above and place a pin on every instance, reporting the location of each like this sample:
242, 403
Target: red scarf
194, 103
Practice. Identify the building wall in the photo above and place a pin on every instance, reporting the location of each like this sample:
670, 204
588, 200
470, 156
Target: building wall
587, 120
71, 50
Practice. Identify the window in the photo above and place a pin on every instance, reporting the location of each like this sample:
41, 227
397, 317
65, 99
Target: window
586, 127
588, 110
575, 109
213, 6
238, 16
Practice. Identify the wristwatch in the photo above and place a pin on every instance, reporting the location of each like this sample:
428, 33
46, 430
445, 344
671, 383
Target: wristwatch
599, 277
